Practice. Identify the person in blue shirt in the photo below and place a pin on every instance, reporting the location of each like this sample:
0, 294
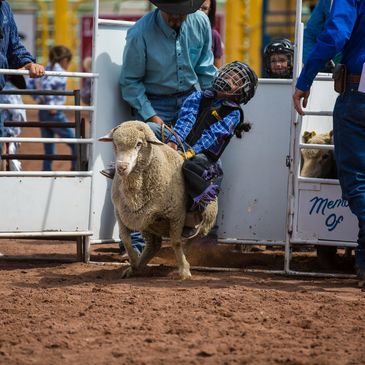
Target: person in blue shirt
59, 61
166, 57
206, 123
13, 54
345, 32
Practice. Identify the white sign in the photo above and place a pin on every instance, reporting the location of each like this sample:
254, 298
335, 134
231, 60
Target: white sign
324, 215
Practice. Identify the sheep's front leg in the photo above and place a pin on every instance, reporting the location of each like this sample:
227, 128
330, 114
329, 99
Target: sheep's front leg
184, 266
125, 236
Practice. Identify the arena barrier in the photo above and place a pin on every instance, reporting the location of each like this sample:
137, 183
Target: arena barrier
264, 201
49, 204
78, 125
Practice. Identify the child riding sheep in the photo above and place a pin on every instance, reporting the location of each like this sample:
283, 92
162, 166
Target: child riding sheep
207, 121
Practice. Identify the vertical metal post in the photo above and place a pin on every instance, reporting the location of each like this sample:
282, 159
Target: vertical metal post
77, 98
43, 44
294, 134
234, 30
254, 34
62, 23
92, 131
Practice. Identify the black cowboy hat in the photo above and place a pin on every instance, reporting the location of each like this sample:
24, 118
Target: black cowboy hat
181, 7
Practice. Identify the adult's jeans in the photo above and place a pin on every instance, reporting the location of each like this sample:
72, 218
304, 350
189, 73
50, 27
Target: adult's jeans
349, 140
49, 148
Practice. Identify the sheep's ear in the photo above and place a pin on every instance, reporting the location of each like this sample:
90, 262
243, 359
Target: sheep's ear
308, 135
153, 140
108, 137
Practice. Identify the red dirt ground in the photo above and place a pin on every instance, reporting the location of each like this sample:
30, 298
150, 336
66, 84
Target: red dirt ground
74, 313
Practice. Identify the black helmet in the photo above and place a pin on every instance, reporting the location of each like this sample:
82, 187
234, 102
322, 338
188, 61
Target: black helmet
178, 6
281, 46
237, 80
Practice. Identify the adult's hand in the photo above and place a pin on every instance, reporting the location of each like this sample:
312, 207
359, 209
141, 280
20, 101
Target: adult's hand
35, 69
156, 119
172, 145
297, 100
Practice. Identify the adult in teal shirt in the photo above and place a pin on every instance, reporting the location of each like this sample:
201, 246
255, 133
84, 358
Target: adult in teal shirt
166, 57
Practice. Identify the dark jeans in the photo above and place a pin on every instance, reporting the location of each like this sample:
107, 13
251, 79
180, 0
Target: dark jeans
137, 243
349, 140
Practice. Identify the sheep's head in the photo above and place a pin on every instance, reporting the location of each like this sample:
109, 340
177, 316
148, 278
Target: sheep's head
316, 162
132, 145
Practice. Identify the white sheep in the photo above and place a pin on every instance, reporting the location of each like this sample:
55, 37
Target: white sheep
148, 194
316, 162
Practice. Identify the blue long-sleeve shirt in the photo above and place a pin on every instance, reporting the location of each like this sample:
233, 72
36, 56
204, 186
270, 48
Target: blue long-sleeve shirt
210, 137
12, 52
158, 60
344, 31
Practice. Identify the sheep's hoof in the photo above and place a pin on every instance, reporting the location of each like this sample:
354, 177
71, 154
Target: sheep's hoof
185, 275
127, 273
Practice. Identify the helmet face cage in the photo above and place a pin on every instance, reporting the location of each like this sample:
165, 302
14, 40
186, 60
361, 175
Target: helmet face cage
237, 81
279, 46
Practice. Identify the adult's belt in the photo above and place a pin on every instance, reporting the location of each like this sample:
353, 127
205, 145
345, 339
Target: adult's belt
174, 95
355, 78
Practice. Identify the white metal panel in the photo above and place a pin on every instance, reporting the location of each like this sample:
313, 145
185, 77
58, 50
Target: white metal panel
110, 111
44, 204
322, 98
254, 197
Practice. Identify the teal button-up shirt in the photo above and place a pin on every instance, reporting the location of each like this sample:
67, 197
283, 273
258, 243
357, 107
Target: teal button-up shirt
158, 60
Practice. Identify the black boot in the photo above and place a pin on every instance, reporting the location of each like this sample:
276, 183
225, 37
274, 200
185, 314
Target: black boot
109, 173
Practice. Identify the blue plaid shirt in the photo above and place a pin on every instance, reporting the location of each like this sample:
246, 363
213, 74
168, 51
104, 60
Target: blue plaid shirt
12, 52
211, 137
49, 83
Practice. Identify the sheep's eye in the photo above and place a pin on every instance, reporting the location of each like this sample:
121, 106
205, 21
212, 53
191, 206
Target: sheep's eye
139, 144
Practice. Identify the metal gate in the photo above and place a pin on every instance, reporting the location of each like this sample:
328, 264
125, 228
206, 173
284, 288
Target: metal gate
48, 203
